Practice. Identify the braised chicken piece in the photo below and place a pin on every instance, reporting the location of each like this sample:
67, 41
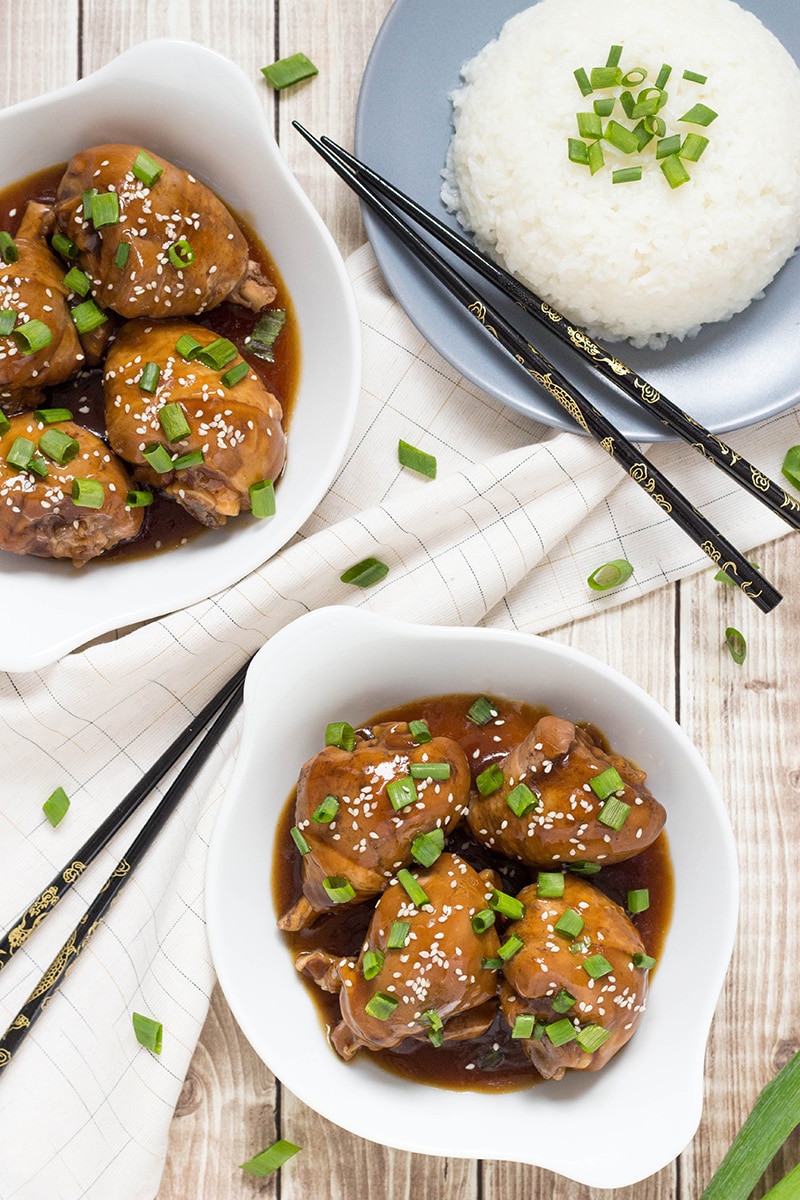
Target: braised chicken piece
38, 514
419, 974
32, 288
155, 242
222, 418
581, 974
564, 799
361, 811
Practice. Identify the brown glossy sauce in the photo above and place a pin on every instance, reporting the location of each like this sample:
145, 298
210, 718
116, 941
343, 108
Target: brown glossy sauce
493, 1062
166, 525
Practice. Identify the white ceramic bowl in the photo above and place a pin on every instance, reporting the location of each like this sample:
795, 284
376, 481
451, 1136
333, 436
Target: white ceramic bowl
158, 95
641, 1110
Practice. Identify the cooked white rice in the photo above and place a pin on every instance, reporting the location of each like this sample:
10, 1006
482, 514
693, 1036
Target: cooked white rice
634, 260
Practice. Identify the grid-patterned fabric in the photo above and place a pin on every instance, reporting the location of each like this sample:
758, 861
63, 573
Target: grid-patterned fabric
506, 535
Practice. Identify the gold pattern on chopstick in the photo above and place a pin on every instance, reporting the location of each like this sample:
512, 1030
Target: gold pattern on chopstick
20, 1022
608, 445
647, 391
727, 450
56, 969
563, 398
789, 502
711, 550
5, 1057
550, 313
730, 569
582, 341
478, 309
73, 871
122, 868
20, 933
639, 474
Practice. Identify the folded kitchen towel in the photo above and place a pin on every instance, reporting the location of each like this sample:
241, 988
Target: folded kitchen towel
506, 536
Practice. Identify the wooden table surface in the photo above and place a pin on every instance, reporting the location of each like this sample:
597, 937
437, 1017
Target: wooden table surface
743, 719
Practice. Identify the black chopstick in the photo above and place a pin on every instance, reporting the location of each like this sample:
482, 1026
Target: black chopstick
603, 360
60, 884
582, 411
54, 975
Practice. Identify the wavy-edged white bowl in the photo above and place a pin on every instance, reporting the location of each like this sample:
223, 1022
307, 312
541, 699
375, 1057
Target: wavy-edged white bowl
197, 109
606, 1130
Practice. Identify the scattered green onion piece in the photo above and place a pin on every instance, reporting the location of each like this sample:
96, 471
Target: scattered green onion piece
187, 346
105, 209
416, 460
5, 424
578, 151
339, 733
627, 101
549, 885
605, 77
412, 888
492, 964
511, 946
490, 780
193, 459
649, 102
381, 1006
538, 1030
429, 770
570, 923
592, 1037
87, 316
338, 888
736, 645
787, 1188
139, 499
262, 498
402, 792
148, 381
607, 782
582, 946
427, 847
87, 199
563, 1001
483, 920
158, 457
58, 446
299, 840
216, 354
596, 157
663, 75
611, 574
791, 465
8, 319
21, 452
55, 806
507, 906
482, 711
64, 246
77, 281
642, 133
627, 175
88, 493
634, 77
420, 733
582, 80
589, 125
8, 247
614, 813
561, 1032
675, 172
170, 416
521, 800
644, 961
235, 375
372, 963
49, 416
523, 1026
604, 107
325, 812
149, 1033
699, 114
436, 1032
695, 77
32, 336
122, 255
597, 966
365, 573
290, 70
270, 1159
39, 466
180, 254
656, 126
146, 169
398, 935
617, 135
693, 146
638, 900
614, 55
668, 145
261, 341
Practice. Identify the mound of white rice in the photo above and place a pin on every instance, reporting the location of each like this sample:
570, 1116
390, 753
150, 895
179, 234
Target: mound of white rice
631, 260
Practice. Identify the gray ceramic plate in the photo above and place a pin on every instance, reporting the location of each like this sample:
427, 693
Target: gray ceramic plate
732, 374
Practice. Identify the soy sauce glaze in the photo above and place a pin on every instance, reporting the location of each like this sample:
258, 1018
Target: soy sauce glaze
493, 1062
166, 525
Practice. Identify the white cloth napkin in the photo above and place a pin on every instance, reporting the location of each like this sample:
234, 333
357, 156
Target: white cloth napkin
506, 536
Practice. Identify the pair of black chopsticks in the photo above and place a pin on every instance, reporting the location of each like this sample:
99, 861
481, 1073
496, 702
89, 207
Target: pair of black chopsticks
221, 709
371, 187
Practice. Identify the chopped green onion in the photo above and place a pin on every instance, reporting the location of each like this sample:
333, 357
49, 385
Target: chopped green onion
538, 1030
412, 888
507, 906
627, 175
675, 172
158, 457
570, 923
490, 780
429, 770
634, 77
365, 573
597, 966
693, 146
261, 341
21, 452
511, 946
398, 935
148, 381
338, 888
649, 101
596, 157
87, 200
561, 1032
614, 813
607, 782
148, 1032
582, 946
699, 114
339, 733
270, 1159
235, 375
299, 840
614, 55
644, 961
372, 963
8, 319
325, 812
563, 1001
381, 1006
791, 465
87, 316
695, 77
589, 125
55, 806
420, 733
262, 499
604, 107
549, 885
122, 255
217, 354
668, 145
8, 247
578, 151
426, 847
663, 75
87, 493
617, 135
628, 103
521, 800
187, 346
139, 499
582, 80
492, 964
736, 644
605, 77
592, 1037
32, 336
58, 446
290, 70
49, 416
482, 711
170, 416
638, 900
655, 126
523, 1026
193, 459
5, 424
416, 460
436, 1032
146, 169
77, 281
180, 254
64, 246
402, 792
611, 574
483, 920
105, 209
39, 466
